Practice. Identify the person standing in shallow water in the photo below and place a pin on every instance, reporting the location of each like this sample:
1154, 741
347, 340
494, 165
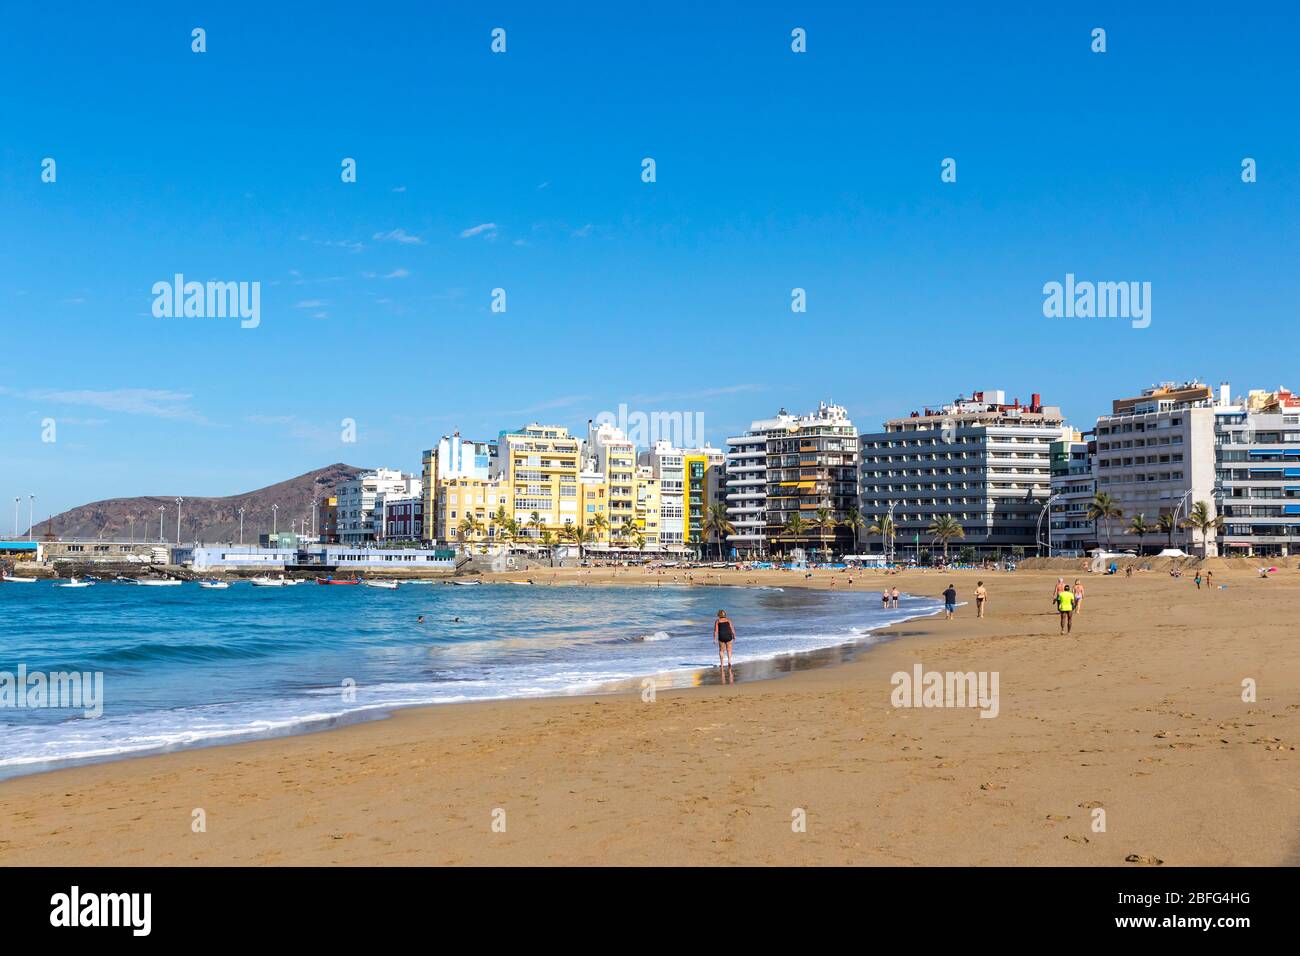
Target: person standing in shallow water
724, 634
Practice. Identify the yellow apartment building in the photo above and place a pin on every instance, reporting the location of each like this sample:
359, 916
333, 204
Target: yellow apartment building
539, 466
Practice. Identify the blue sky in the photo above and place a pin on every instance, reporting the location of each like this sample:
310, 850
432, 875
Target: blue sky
775, 170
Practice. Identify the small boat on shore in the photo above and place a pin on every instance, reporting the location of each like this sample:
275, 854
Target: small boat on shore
385, 585
214, 585
333, 580
74, 583
10, 579
465, 584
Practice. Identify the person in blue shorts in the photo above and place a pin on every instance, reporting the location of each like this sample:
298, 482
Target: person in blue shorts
949, 602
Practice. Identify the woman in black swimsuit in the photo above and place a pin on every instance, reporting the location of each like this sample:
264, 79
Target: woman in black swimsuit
723, 635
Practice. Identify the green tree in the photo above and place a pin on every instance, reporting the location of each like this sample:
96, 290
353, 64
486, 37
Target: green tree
578, 535
1139, 526
1168, 524
717, 525
945, 528
1103, 508
795, 527
1201, 521
855, 521
825, 522
883, 525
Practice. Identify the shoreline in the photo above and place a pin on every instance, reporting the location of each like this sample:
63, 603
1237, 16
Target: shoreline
772, 667
1138, 713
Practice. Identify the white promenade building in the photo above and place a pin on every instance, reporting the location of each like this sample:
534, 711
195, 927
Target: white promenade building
360, 503
1156, 455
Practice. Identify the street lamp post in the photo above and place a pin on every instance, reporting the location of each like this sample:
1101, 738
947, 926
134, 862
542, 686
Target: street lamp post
1038, 533
893, 533
275, 509
1182, 501
16, 500
178, 521
161, 537
31, 510
241, 525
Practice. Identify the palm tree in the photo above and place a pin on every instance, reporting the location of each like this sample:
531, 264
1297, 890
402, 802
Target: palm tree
1168, 524
535, 522
469, 527
946, 527
795, 527
508, 530
715, 523
1201, 520
884, 526
578, 535
629, 529
598, 525
824, 520
499, 518
1138, 525
855, 522
638, 538
548, 541
1102, 508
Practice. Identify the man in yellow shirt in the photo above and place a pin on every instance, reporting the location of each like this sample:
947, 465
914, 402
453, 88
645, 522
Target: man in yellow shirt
1065, 605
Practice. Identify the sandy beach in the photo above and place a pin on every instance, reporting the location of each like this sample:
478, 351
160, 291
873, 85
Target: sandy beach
1138, 713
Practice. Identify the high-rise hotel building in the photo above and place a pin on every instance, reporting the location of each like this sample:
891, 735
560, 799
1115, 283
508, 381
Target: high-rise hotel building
787, 465
981, 460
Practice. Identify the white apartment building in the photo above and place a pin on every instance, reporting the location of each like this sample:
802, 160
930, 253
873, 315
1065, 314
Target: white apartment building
614, 457
980, 460
1156, 455
1070, 531
361, 503
746, 492
791, 464
1258, 476
668, 466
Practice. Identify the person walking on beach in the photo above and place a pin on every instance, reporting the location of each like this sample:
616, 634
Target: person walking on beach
949, 602
1065, 605
1077, 591
1197, 579
724, 633
981, 595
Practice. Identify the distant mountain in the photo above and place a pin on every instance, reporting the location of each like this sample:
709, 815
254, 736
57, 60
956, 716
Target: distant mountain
211, 520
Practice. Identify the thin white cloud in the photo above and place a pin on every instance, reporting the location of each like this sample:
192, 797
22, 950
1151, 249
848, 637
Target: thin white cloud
309, 304
485, 229
150, 402
399, 235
